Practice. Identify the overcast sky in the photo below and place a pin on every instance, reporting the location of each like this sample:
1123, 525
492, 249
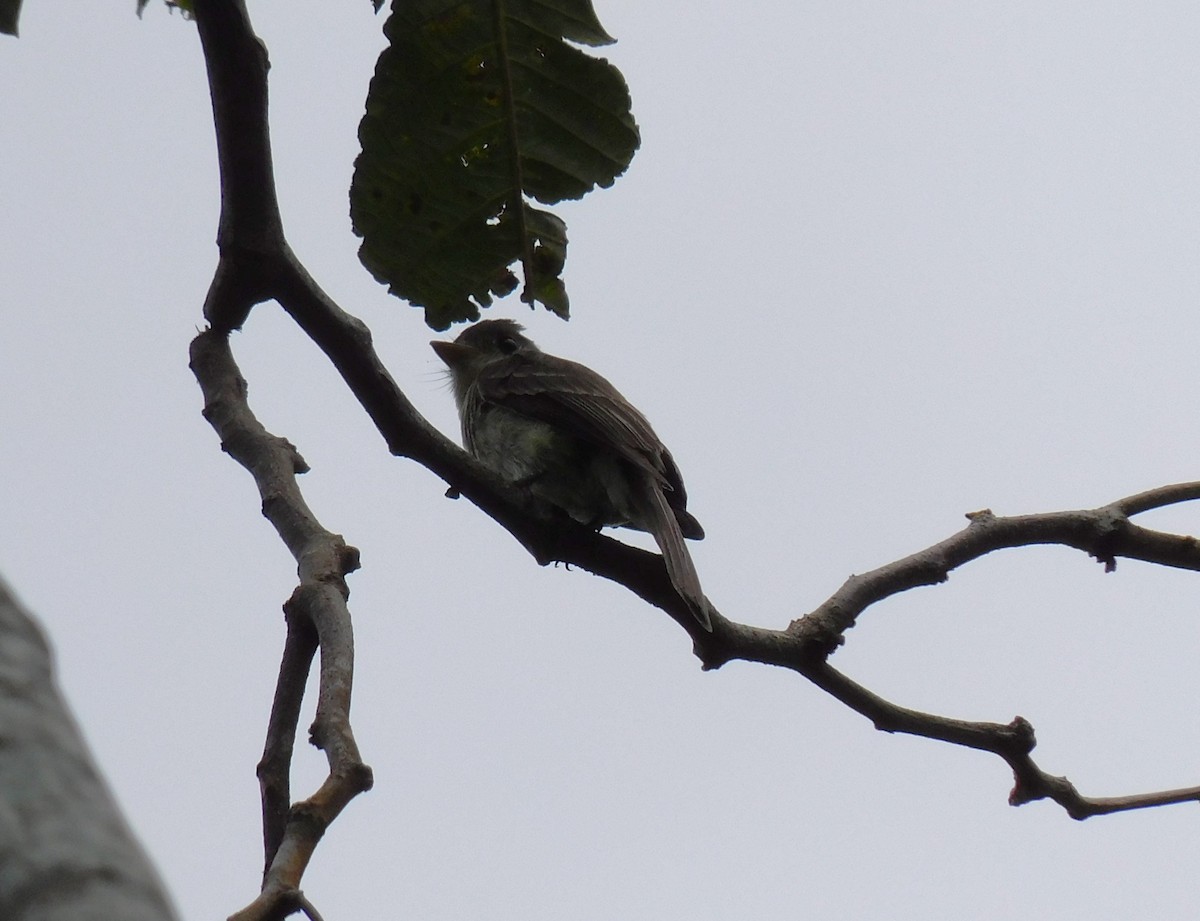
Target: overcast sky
875, 266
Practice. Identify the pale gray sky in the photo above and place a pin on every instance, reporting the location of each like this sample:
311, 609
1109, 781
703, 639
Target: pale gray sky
875, 266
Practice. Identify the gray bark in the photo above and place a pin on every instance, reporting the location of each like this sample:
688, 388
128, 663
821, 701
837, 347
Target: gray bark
66, 853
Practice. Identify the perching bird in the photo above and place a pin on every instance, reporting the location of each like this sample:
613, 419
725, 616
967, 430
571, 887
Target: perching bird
563, 431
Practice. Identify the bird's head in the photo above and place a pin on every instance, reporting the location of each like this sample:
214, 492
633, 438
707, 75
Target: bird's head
478, 346
481, 344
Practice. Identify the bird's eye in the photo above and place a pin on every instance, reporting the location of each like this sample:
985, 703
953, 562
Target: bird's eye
508, 345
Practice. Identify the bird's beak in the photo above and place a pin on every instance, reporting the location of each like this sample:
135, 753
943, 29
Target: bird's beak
454, 354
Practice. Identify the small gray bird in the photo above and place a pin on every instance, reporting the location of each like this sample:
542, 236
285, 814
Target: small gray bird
563, 431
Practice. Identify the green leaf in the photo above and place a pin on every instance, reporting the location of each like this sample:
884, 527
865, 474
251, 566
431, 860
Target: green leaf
10, 12
475, 107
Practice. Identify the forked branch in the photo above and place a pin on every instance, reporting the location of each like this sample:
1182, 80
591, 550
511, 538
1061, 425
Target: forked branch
1106, 533
256, 265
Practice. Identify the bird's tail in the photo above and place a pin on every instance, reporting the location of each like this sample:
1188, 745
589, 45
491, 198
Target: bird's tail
680, 567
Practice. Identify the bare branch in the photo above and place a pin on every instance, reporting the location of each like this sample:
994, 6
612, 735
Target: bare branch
1012, 742
1157, 498
323, 560
274, 770
1104, 533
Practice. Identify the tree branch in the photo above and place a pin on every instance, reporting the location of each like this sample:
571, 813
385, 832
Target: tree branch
317, 614
1105, 533
274, 770
256, 264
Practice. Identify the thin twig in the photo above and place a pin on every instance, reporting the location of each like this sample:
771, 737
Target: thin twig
275, 767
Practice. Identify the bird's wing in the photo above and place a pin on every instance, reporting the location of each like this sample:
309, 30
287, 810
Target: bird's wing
576, 399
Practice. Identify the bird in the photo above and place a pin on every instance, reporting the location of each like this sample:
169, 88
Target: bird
563, 431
